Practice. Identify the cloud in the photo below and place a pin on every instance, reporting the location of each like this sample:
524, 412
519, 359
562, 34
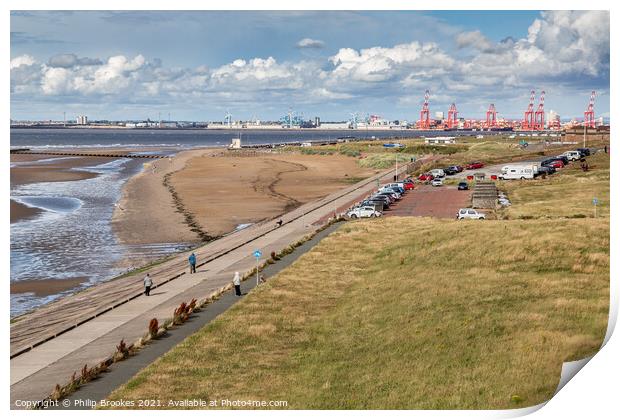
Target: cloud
310, 43
474, 39
71, 60
562, 51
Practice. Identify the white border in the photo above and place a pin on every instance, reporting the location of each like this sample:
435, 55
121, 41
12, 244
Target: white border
594, 390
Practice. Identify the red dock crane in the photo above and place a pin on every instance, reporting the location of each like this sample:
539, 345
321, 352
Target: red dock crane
588, 115
539, 116
452, 120
425, 113
528, 118
491, 117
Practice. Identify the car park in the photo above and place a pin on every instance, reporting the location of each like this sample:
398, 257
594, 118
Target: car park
360, 212
463, 186
475, 165
437, 182
470, 214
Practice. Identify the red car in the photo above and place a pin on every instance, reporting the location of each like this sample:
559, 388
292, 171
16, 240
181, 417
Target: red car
475, 165
557, 164
408, 185
426, 177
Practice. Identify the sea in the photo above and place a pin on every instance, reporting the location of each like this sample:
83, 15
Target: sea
72, 236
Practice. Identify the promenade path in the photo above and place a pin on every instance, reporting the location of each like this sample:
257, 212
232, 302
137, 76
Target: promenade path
52, 342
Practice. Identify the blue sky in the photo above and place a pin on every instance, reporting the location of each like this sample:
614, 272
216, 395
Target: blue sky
199, 65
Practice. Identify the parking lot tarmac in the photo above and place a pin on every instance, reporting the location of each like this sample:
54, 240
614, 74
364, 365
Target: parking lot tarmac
426, 200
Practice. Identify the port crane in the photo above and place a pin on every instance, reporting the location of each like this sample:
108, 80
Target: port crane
539, 115
425, 113
528, 118
588, 115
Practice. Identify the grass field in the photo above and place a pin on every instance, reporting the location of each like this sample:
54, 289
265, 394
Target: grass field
406, 313
567, 193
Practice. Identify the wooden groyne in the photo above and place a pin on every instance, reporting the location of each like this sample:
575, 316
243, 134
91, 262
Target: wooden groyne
111, 155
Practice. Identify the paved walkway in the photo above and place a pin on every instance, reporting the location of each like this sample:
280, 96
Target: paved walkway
120, 373
49, 344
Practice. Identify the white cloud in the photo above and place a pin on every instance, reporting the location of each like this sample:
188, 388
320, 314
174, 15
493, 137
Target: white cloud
310, 43
22, 60
567, 46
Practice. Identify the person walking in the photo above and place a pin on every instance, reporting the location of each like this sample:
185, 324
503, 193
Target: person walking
237, 283
192, 263
148, 283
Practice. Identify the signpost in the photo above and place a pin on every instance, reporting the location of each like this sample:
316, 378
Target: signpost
595, 203
257, 254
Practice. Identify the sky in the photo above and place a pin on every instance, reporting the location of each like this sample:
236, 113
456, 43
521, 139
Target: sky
200, 65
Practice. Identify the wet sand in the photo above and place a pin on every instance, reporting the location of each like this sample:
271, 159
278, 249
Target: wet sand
46, 287
21, 212
220, 190
29, 170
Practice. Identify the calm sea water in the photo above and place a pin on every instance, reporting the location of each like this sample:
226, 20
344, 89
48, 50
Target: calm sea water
72, 237
45, 138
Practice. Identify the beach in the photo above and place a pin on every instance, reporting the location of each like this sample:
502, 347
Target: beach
215, 191
65, 210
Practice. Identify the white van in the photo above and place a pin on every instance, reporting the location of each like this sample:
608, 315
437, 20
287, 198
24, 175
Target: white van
519, 172
438, 173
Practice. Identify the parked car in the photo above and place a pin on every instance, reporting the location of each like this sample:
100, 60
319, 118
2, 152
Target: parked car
475, 165
438, 173
546, 170
564, 159
557, 164
584, 151
409, 185
572, 155
397, 186
470, 214
457, 168
463, 186
450, 170
437, 182
365, 211
381, 204
387, 195
387, 200
395, 194
426, 177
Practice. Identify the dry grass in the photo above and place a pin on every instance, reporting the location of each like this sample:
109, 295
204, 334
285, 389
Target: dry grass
568, 193
405, 313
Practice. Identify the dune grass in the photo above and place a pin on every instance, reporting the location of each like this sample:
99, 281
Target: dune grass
567, 193
405, 313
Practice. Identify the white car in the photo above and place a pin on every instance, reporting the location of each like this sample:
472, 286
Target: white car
470, 214
396, 194
572, 155
365, 211
437, 182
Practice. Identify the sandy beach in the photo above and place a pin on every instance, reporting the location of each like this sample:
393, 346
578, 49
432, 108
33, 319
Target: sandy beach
221, 190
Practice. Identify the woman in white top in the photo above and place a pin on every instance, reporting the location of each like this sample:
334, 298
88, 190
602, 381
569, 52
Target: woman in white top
237, 283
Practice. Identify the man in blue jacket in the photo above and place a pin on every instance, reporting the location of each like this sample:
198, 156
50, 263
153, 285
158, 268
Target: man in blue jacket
192, 263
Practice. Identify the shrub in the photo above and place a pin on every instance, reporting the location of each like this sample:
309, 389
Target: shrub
153, 328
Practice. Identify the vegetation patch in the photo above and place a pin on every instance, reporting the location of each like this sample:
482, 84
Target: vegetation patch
406, 313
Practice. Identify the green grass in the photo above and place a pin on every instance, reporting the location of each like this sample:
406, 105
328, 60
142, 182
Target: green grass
567, 193
405, 313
